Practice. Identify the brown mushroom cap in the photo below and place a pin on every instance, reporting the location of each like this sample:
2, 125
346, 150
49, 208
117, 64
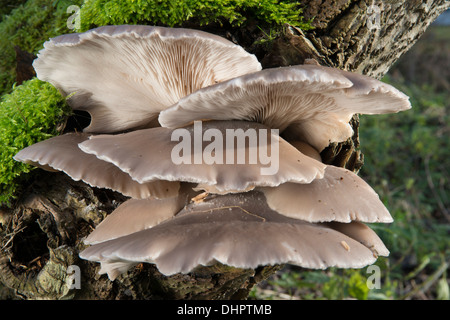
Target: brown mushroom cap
340, 195
238, 230
125, 75
146, 156
62, 153
307, 102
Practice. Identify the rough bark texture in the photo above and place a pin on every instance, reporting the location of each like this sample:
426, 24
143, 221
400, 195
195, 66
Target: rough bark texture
362, 36
42, 234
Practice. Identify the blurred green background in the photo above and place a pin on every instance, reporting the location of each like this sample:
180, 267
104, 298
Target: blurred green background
406, 155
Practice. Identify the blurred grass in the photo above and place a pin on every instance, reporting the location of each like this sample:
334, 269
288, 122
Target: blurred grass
407, 161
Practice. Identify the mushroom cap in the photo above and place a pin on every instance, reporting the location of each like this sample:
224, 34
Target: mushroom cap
125, 75
146, 155
61, 153
139, 214
306, 149
340, 196
238, 230
362, 233
308, 102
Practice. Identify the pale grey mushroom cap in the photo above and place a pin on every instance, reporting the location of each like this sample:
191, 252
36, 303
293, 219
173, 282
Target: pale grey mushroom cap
362, 233
306, 149
125, 75
307, 102
238, 230
62, 153
340, 196
139, 214
148, 155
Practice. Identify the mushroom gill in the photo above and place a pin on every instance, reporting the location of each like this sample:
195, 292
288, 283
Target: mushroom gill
125, 75
307, 102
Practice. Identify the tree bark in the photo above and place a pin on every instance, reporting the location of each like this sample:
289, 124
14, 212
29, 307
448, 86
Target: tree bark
42, 234
361, 36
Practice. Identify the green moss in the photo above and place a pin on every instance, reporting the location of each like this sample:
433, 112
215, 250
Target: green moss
201, 12
29, 26
28, 115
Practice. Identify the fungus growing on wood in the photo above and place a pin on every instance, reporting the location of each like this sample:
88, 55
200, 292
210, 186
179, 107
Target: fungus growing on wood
245, 200
340, 196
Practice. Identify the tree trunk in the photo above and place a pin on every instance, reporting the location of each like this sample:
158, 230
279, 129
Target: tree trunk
42, 234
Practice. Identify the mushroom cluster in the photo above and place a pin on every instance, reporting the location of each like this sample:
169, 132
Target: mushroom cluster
220, 159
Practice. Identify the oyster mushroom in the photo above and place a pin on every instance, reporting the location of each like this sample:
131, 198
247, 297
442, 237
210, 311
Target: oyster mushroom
61, 153
310, 103
304, 212
238, 230
149, 154
139, 214
125, 75
340, 195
